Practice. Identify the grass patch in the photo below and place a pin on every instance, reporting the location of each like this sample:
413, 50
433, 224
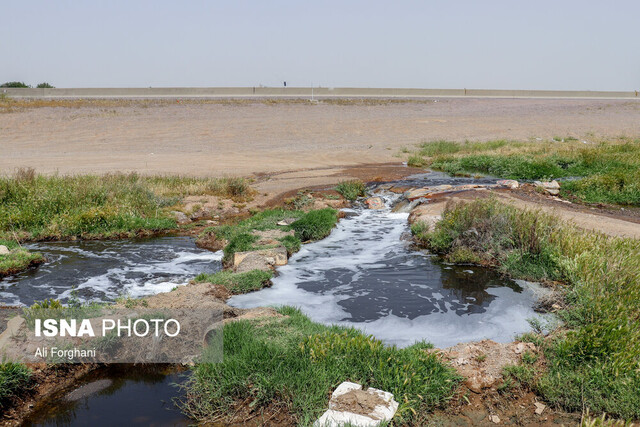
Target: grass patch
294, 362
14, 377
315, 225
41, 207
596, 363
351, 190
610, 170
18, 259
238, 283
312, 225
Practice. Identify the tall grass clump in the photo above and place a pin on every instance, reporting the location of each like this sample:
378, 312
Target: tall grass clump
610, 171
14, 377
295, 364
88, 205
595, 363
315, 225
351, 190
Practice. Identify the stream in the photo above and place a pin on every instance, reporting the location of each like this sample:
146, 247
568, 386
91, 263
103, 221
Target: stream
366, 274
103, 270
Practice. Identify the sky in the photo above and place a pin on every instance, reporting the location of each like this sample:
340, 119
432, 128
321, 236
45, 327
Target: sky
483, 44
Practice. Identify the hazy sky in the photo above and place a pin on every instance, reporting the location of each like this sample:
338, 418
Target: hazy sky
503, 44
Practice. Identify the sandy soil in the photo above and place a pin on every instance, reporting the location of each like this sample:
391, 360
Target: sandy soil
247, 138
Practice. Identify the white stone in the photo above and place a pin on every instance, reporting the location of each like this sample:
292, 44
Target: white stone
381, 413
4, 250
540, 407
511, 183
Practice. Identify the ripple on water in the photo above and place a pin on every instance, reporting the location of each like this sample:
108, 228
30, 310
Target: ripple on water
365, 275
105, 270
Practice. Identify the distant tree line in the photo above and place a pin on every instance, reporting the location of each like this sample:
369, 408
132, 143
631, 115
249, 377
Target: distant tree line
23, 84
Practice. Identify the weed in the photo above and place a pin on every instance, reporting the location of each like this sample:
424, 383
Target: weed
315, 225
351, 190
13, 378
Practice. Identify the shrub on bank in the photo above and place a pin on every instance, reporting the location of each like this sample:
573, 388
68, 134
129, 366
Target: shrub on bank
596, 363
351, 190
315, 225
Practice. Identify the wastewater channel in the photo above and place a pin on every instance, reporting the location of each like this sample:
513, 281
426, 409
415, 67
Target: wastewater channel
366, 274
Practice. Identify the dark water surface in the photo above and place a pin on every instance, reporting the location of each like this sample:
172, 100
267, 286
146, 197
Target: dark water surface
104, 270
124, 396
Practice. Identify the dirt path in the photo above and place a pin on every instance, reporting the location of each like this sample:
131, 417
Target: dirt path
608, 224
183, 137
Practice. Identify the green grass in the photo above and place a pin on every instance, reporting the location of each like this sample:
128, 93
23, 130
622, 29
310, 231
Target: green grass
14, 377
315, 225
351, 190
312, 225
238, 283
596, 362
41, 207
18, 259
294, 362
610, 170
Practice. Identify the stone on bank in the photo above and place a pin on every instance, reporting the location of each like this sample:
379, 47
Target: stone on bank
351, 405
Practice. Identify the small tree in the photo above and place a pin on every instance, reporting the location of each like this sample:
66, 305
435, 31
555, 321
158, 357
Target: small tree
14, 84
44, 85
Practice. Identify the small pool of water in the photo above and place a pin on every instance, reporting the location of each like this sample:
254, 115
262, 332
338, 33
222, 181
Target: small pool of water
104, 270
366, 275
433, 178
119, 395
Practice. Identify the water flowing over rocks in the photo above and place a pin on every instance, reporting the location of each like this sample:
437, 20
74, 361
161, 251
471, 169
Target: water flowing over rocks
375, 203
365, 275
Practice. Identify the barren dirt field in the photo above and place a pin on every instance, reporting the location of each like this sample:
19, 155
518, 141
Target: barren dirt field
245, 137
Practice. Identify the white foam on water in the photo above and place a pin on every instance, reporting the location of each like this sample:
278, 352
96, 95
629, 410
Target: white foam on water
103, 271
362, 245
119, 281
9, 299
